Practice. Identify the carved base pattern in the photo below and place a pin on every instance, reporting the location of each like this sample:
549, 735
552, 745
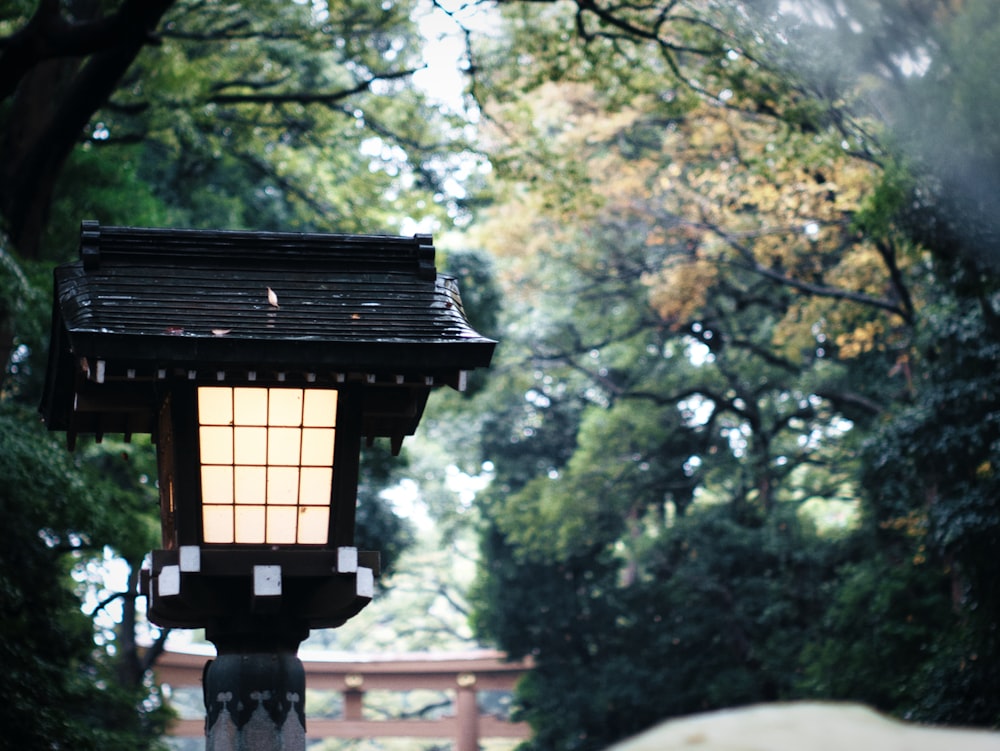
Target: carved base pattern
254, 702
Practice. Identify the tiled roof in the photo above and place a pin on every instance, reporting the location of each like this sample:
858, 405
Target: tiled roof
342, 301
143, 301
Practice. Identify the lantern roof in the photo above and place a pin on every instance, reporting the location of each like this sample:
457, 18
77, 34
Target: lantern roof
144, 305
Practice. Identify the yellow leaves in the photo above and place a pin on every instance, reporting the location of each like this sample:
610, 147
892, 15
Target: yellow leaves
657, 236
707, 191
914, 524
866, 337
622, 183
802, 330
678, 291
761, 194
860, 270
714, 135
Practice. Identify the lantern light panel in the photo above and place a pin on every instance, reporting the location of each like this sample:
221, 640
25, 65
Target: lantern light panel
267, 457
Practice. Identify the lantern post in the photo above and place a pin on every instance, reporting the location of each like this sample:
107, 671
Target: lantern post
260, 363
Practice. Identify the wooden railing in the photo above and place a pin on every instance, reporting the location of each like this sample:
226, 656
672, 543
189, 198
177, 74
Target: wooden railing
465, 674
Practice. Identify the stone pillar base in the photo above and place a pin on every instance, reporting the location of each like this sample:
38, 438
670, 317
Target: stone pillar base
255, 702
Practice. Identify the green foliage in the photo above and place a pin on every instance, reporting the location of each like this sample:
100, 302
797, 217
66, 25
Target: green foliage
715, 621
377, 526
748, 262
262, 115
629, 462
58, 688
23, 327
101, 183
886, 202
933, 465
282, 116
266, 116
888, 618
772, 294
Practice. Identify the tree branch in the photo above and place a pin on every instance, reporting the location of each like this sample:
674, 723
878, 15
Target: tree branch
25, 194
820, 290
48, 35
158, 647
850, 398
309, 97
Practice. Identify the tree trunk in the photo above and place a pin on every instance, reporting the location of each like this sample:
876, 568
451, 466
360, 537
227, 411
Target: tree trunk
25, 196
55, 99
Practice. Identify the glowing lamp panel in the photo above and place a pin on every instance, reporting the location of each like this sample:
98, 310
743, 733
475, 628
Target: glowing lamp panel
266, 464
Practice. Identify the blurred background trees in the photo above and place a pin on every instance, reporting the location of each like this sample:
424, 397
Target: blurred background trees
751, 440
740, 440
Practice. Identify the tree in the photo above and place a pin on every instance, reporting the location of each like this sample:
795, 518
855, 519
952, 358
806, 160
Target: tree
637, 411
60, 689
272, 115
312, 106
80, 54
741, 271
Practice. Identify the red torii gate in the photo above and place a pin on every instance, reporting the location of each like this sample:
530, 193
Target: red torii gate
465, 673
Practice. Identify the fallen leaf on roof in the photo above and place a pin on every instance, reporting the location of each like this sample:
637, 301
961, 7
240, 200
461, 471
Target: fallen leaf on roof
272, 298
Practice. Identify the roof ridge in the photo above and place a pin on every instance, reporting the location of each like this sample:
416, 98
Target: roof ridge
157, 246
